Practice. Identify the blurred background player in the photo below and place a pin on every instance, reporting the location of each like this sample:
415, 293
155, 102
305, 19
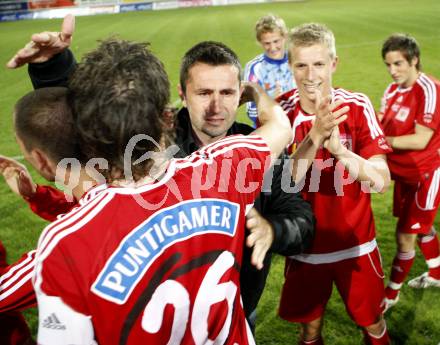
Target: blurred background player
270, 69
281, 219
410, 116
348, 156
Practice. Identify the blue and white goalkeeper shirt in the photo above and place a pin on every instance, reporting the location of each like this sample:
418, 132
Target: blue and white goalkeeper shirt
268, 73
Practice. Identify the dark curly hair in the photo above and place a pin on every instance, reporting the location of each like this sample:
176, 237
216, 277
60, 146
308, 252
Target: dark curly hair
119, 90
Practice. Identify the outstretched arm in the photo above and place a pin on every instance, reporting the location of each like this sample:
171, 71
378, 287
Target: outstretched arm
45, 201
44, 45
17, 177
417, 141
274, 124
50, 62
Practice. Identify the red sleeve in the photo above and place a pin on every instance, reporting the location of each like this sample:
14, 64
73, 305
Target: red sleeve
48, 203
370, 138
16, 289
428, 111
55, 265
248, 156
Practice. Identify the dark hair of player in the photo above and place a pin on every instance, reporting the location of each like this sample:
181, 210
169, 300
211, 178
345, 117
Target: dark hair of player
43, 120
405, 44
210, 53
119, 90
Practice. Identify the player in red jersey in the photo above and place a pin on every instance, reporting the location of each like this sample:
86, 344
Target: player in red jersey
43, 145
154, 257
344, 156
410, 115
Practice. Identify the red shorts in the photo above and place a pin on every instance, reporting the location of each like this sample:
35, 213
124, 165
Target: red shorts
416, 204
308, 287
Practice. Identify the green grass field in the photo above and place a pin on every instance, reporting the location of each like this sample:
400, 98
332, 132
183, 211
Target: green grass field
359, 26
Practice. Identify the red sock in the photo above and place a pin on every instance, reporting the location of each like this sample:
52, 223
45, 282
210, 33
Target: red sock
371, 339
429, 245
399, 271
317, 341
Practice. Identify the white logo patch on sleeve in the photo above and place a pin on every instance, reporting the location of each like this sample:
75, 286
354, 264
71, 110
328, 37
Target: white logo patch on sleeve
61, 325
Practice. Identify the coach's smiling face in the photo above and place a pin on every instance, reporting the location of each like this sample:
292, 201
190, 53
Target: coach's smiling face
212, 97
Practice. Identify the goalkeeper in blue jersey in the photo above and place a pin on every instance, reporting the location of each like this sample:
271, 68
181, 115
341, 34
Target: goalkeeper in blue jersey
270, 69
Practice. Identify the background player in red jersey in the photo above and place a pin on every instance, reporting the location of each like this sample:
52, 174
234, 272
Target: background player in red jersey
45, 133
410, 116
183, 283
348, 156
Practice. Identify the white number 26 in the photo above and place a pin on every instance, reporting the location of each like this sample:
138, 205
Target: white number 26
210, 292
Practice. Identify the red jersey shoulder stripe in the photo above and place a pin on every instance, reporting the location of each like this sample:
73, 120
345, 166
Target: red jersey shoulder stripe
363, 101
70, 223
430, 92
209, 152
290, 102
391, 90
15, 278
68, 220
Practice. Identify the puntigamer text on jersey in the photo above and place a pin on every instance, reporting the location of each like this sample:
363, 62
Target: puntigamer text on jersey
145, 243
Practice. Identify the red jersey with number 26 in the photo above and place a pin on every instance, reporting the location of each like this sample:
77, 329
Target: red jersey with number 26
402, 109
156, 264
342, 209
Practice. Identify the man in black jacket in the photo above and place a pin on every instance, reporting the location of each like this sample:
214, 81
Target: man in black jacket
280, 219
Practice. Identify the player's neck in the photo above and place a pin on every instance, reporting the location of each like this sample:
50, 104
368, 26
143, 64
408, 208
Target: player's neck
84, 184
412, 78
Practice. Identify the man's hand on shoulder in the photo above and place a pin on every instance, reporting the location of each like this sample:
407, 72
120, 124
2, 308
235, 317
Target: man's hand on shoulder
260, 238
44, 45
17, 177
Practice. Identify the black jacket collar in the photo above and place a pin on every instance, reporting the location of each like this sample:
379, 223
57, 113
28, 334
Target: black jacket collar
185, 136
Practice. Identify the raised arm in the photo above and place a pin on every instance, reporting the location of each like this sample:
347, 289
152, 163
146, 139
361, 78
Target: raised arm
44, 45
274, 124
327, 117
50, 62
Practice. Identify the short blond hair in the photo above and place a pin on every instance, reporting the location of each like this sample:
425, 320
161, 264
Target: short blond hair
270, 23
309, 34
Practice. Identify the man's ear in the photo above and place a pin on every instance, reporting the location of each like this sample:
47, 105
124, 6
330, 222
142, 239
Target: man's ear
181, 95
335, 63
414, 61
45, 166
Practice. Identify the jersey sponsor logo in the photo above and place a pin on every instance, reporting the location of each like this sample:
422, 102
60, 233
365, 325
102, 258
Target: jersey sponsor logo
383, 144
395, 108
347, 141
52, 322
415, 226
427, 118
403, 113
144, 244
